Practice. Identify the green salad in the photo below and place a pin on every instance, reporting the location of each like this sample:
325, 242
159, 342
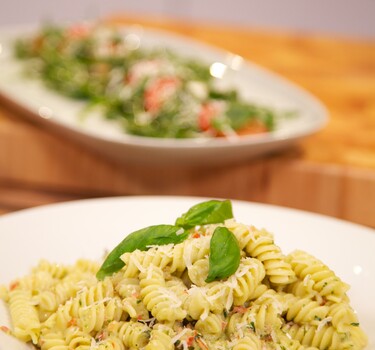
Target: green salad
151, 92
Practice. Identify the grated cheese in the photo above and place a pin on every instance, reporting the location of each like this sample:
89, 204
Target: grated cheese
229, 301
188, 249
166, 249
136, 262
93, 344
176, 302
180, 335
240, 328
96, 303
323, 322
306, 280
150, 269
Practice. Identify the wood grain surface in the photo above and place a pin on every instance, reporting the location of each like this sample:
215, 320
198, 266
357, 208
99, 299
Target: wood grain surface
332, 172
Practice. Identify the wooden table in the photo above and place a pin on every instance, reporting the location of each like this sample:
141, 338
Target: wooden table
332, 172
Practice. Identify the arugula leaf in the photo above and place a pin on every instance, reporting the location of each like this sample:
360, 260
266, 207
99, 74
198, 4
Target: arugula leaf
240, 114
209, 212
225, 255
141, 239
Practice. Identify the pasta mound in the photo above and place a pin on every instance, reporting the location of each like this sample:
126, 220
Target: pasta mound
160, 300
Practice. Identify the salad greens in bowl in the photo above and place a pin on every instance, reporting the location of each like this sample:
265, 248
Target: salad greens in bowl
145, 95
153, 93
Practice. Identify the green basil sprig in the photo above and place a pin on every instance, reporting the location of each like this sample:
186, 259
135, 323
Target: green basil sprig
141, 239
210, 212
225, 255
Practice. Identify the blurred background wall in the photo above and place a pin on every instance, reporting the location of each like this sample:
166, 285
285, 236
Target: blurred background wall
354, 18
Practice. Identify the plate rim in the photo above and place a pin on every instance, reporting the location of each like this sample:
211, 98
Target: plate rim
80, 202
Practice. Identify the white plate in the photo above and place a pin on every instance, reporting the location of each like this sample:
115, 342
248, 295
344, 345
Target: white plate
254, 84
68, 231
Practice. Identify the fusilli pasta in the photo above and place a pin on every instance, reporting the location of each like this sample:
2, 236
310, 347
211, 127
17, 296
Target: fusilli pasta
161, 300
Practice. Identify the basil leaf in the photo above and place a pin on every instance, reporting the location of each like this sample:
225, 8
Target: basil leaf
225, 255
210, 212
141, 239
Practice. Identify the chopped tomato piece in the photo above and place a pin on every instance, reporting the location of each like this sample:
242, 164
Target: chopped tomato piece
72, 322
208, 112
158, 92
190, 341
240, 309
14, 285
78, 31
101, 336
255, 127
5, 329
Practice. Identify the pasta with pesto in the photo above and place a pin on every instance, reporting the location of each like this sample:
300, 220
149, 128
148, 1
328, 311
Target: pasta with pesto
161, 299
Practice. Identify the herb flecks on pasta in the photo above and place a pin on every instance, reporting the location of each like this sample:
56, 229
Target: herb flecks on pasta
161, 298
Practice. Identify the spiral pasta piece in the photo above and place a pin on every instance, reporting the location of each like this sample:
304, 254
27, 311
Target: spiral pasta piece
159, 340
324, 337
248, 342
341, 315
305, 310
324, 280
138, 261
196, 303
53, 341
89, 309
37, 281
174, 259
111, 343
86, 266
178, 287
134, 335
161, 302
259, 244
26, 322
291, 344
77, 339
249, 275
198, 272
54, 270
212, 326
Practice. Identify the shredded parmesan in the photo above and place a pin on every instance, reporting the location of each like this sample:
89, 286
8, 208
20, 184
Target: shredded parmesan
96, 303
229, 301
93, 344
212, 298
150, 269
135, 261
273, 336
240, 328
180, 335
166, 250
323, 322
306, 280
204, 314
175, 301
188, 249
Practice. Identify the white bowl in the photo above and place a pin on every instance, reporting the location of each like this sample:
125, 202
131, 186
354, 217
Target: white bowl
254, 83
